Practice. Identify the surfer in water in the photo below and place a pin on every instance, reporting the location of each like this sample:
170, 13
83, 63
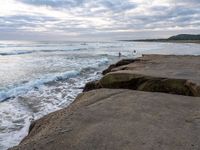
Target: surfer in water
120, 54
134, 52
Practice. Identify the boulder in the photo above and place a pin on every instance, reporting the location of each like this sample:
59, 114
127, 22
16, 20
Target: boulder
91, 86
156, 73
149, 103
129, 80
118, 64
117, 119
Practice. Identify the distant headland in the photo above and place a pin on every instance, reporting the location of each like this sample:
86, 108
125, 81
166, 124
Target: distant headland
181, 38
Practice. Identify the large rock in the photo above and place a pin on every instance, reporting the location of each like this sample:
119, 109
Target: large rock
118, 64
129, 80
156, 73
117, 119
166, 66
91, 86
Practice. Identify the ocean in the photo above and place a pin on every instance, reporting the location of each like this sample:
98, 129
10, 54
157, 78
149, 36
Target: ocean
37, 78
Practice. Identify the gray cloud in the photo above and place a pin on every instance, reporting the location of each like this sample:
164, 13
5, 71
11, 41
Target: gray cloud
188, 1
112, 5
102, 17
17, 22
54, 3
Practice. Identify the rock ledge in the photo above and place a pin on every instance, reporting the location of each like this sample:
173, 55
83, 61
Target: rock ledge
150, 103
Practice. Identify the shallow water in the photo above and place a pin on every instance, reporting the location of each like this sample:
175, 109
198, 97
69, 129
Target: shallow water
37, 78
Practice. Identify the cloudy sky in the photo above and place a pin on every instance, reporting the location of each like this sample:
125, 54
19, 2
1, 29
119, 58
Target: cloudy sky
97, 19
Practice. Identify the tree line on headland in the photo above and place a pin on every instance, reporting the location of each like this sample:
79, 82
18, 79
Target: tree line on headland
176, 38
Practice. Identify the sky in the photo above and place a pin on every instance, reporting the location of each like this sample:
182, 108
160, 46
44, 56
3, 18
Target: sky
97, 19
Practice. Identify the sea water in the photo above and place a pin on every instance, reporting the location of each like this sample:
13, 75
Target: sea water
37, 78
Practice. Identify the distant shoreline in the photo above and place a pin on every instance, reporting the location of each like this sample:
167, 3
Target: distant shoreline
181, 38
165, 41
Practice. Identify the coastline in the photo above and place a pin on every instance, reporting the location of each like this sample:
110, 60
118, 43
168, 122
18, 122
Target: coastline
166, 41
135, 94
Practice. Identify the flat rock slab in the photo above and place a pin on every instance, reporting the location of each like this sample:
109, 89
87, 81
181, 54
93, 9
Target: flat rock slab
167, 66
116, 119
155, 73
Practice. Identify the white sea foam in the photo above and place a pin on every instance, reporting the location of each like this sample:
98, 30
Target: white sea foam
37, 103
21, 52
15, 53
36, 83
24, 88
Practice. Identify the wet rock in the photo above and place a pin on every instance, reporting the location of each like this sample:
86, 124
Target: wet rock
118, 64
91, 86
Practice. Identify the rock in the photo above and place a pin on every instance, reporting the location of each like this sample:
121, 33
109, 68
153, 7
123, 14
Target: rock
117, 119
91, 86
128, 80
157, 73
167, 66
118, 64
123, 116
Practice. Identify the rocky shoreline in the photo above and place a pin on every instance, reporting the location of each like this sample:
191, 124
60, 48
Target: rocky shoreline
152, 102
